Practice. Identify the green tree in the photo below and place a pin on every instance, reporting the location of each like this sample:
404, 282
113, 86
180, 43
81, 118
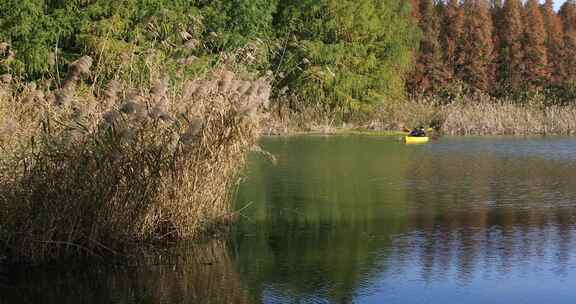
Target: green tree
33, 28
240, 21
36, 28
345, 53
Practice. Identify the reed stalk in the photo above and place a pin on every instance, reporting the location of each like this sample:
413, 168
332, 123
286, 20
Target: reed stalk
89, 172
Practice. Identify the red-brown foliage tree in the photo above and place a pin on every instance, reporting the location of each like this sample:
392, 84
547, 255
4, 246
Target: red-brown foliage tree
535, 72
568, 15
477, 47
554, 43
451, 36
428, 73
511, 57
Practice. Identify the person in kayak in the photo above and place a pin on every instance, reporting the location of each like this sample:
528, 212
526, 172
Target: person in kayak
418, 132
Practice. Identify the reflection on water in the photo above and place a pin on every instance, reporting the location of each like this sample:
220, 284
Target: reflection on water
203, 273
366, 220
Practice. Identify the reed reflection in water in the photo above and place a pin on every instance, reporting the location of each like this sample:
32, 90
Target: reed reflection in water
199, 273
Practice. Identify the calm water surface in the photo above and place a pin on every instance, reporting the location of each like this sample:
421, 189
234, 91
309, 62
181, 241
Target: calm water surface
364, 220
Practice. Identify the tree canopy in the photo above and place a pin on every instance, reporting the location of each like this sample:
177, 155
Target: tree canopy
349, 54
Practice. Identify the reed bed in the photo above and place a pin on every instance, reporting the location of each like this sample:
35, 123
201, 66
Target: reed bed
507, 118
484, 115
89, 172
311, 118
479, 115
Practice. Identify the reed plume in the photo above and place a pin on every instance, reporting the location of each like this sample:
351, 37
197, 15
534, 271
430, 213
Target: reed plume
4, 47
88, 174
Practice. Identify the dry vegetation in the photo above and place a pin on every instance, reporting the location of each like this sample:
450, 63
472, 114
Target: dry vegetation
480, 115
89, 171
488, 116
508, 119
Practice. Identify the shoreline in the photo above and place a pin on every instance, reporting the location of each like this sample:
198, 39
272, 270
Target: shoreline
492, 117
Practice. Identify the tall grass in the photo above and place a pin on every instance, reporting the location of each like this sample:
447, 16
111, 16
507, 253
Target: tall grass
478, 115
507, 118
312, 117
483, 115
90, 171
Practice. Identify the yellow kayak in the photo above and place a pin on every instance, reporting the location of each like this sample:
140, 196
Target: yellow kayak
416, 139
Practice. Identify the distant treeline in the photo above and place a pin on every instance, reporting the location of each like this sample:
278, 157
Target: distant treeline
497, 47
348, 54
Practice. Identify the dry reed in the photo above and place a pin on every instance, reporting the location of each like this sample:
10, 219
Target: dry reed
90, 175
480, 115
484, 115
507, 118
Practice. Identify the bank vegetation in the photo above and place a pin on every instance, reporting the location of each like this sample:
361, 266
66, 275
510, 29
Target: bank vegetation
90, 171
128, 121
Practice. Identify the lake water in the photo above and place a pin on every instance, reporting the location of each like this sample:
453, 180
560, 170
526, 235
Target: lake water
364, 220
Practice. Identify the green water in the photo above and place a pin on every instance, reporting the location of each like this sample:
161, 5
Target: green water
356, 219
350, 219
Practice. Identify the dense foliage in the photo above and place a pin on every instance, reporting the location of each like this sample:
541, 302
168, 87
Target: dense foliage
343, 53
346, 54
500, 48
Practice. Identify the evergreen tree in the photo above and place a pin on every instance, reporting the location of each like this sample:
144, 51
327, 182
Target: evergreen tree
238, 22
35, 28
346, 53
535, 73
428, 74
452, 31
554, 42
477, 47
511, 58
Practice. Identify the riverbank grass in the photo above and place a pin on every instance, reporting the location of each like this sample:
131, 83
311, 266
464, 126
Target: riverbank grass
90, 173
478, 115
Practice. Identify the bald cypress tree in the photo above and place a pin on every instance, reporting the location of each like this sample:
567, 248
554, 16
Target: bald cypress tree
554, 42
477, 47
428, 73
451, 34
496, 12
568, 12
568, 15
496, 7
510, 54
535, 72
